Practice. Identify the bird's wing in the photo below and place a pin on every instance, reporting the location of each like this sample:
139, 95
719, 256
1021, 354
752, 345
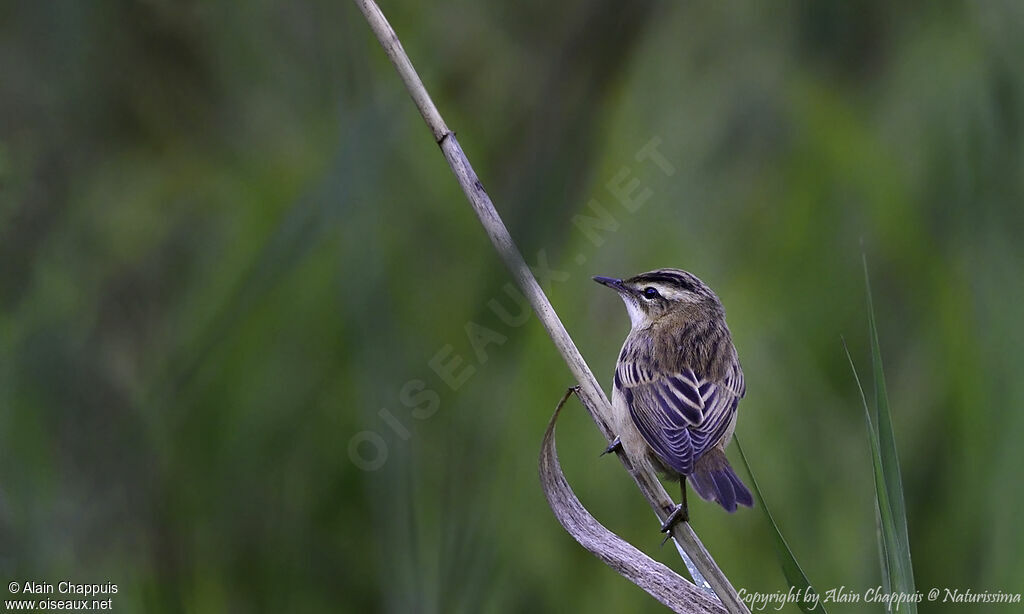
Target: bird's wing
681, 414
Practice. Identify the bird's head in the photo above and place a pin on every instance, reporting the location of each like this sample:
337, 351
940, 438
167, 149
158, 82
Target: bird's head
651, 296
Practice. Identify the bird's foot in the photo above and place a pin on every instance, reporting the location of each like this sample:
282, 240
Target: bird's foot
614, 446
679, 514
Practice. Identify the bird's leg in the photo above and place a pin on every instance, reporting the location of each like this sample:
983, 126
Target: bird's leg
686, 508
673, 519
614, 446
681, 513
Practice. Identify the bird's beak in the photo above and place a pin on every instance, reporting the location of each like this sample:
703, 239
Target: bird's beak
611, 282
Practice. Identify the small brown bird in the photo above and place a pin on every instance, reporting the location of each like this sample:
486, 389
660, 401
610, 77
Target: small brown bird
677, 384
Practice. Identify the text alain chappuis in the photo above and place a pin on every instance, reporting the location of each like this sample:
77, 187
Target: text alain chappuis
61, 596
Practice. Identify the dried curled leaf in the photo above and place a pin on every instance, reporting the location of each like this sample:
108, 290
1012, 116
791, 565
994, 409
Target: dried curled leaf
665, 585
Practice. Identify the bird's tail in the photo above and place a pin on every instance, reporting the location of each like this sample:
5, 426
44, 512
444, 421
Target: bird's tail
714, 480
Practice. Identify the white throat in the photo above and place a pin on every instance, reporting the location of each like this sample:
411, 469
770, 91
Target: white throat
636, 315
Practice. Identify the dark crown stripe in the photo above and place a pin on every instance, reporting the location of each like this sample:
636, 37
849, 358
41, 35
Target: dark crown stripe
670, 279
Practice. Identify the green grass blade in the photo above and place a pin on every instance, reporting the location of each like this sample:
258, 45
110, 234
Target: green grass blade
791, 569
887, 438
883, 516
890, 506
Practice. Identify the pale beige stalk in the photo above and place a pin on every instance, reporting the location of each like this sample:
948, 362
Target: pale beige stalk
590, 392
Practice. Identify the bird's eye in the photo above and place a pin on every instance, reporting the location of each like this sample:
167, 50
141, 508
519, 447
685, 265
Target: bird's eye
651, 293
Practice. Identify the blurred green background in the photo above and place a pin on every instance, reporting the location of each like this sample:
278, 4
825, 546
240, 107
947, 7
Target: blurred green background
227, 242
